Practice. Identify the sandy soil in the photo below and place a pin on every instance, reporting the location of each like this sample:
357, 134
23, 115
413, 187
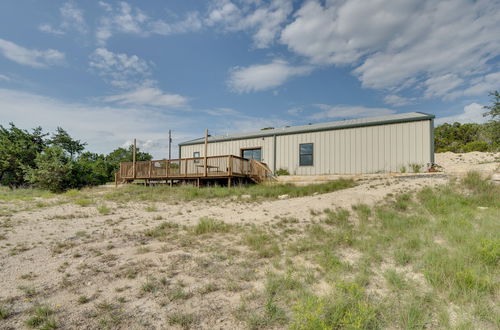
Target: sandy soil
58, 253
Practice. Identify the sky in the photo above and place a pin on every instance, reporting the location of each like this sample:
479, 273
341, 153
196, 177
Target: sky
112, 71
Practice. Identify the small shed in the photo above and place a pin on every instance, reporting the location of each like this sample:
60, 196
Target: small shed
366, 145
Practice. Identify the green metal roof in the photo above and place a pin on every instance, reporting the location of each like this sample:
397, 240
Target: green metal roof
362, 122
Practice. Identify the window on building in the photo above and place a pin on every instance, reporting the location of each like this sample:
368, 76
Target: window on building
255, 154
196, 154
306, 154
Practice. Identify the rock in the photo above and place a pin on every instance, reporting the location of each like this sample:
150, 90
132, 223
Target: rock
246, 196
285, 196
482, 207
316, 193
496, 178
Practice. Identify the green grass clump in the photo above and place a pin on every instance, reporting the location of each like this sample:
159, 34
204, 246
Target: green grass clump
162, 230
83, 202
4, 313
208, 225
104, 209
346, 308
42, 318
261, 242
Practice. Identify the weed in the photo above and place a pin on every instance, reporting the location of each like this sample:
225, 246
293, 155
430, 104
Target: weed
83, 202
42, 318
208, 225
103, 209
395, 280
415, 168
184, 320
264, 244
83, 300
151, 208
161, 230
4, 313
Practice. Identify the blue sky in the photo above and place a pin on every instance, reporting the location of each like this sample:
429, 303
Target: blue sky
111, 71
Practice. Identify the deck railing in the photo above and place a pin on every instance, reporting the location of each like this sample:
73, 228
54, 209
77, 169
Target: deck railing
216, 166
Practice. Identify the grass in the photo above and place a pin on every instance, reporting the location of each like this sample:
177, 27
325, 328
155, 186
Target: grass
4, 313
104, 209
264, 244
184, 320
42, 318
188, 193
208, 225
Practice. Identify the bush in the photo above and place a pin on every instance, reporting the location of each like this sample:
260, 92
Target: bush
282, 171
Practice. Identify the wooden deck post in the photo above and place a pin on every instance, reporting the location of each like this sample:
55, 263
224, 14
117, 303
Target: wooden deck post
230, 165
150, 165
133, 158
205, 153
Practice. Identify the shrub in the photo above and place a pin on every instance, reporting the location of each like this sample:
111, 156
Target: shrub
282, 171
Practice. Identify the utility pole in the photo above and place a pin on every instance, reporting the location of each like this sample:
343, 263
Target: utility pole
170, 145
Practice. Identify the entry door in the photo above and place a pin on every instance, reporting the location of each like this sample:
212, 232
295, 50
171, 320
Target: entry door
255, 154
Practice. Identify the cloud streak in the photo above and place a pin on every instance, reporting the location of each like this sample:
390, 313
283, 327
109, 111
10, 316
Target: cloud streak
30, 57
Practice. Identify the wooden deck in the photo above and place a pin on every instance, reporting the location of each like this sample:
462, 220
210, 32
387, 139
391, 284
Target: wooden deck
228, 167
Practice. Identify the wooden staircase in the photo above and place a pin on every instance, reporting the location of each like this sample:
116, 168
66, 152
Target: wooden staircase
260, 172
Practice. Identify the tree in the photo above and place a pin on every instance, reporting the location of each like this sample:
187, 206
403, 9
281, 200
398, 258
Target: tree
125, 155
53, 170
18, 151
63, 140
494, 109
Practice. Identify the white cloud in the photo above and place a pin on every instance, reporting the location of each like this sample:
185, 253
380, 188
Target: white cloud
263, 19
30, 57
149, 96
4, 77
120, 70
398, 101
483, 85
346, 111
393, 44
441, 86
473, 113
131, 20
261, 77
71, 19
103, 127
49, 29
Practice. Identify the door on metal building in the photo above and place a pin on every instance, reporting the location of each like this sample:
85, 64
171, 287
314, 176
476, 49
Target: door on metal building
252, 153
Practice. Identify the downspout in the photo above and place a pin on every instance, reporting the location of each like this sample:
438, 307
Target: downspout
432, 141
274, 154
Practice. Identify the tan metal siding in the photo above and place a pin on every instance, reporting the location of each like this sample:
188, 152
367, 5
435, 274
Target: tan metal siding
383, 148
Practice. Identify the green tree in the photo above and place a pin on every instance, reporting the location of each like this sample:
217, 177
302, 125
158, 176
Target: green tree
63, 140
18, 151
125, 155
53, 170
494, 109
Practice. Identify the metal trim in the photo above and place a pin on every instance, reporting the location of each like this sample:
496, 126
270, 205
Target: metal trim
375, 123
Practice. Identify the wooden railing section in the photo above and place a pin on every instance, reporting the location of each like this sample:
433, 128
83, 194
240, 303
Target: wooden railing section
185, 168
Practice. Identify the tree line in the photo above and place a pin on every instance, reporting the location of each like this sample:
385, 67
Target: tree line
56, 161
469, 137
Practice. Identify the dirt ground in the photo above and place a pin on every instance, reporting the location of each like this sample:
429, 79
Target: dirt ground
102, 270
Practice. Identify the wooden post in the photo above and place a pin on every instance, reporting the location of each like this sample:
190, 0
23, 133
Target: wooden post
133, 157
206, 150
230, 165
229, 182
150, 165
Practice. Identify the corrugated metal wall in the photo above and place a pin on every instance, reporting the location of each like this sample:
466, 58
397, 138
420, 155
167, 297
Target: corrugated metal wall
383, 148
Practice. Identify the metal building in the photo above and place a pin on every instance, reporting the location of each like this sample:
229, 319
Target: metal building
368, 145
